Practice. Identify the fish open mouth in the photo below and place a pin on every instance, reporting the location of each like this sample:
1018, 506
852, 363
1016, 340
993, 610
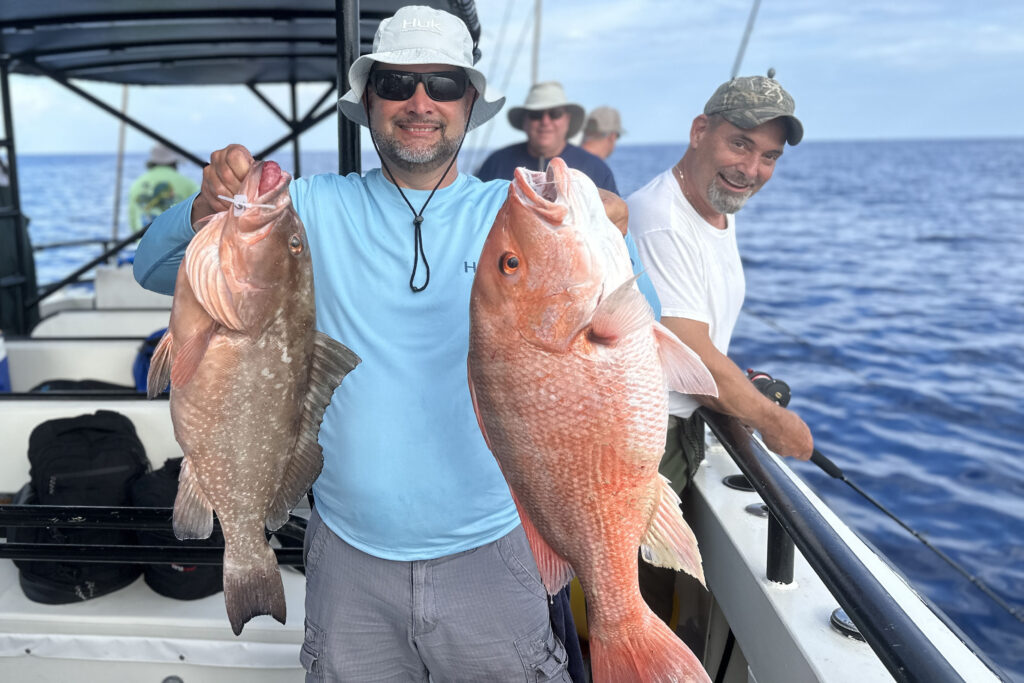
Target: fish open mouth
546, 193
270, 177
258, 209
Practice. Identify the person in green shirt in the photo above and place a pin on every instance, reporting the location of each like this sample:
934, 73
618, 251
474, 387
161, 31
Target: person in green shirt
159, 188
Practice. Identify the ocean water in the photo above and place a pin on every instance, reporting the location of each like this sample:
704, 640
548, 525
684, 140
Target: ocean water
883, 285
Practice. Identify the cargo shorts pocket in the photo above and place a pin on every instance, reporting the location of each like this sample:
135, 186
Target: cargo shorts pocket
310, 656
515, 553
313, 544
544, 657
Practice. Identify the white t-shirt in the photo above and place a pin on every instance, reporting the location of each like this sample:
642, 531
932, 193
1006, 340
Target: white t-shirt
695, 267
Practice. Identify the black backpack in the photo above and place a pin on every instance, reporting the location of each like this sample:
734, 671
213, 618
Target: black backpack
184, 582
84, 460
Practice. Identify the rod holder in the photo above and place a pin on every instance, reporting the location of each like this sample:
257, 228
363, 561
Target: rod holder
781, 551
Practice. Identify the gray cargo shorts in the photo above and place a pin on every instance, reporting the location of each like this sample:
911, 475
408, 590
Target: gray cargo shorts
479, 615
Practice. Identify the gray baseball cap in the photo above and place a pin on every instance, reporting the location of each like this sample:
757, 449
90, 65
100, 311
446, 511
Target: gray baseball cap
603, 121
748, 101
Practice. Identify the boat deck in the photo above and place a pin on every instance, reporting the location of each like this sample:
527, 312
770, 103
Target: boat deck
152, 636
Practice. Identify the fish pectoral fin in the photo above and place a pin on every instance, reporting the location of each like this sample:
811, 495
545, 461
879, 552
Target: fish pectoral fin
193, 514
160, 366
684, 369
669, 541
330, 363
621, 313
190, 354
476, 408
555, 571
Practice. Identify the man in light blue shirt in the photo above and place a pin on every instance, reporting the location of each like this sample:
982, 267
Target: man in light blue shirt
417, 566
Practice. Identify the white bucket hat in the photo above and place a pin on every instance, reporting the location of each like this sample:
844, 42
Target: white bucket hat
420, 35
548, 95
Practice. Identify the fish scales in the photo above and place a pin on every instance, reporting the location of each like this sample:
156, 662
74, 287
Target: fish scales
250, 380
569, 374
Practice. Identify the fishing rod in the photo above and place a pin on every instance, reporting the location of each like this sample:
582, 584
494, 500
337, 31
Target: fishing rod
778, 391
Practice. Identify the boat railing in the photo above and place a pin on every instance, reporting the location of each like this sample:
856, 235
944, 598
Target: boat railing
76, 276
795, 521
104, 242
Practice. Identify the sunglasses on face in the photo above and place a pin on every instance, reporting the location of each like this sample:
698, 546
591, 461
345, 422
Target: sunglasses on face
553, 114
441, 86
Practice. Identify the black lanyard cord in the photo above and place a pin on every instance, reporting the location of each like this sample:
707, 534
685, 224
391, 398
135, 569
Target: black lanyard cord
417, 216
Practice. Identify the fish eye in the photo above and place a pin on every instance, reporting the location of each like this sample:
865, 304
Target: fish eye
509, 263
295, 244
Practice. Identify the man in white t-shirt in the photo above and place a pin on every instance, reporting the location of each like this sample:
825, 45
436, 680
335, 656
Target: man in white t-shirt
685, 230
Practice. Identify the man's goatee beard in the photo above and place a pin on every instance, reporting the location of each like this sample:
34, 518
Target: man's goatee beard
727, 202
416, 160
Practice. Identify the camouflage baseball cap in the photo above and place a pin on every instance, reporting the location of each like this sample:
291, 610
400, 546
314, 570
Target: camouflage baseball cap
749, 101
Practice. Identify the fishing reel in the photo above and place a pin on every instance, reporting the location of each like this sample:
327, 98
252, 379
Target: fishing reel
775, 390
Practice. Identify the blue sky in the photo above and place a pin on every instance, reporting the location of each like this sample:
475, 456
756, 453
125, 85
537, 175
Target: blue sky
868, 69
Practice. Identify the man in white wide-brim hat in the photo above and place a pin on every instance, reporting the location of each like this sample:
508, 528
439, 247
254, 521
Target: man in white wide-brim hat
417, 566
549, 119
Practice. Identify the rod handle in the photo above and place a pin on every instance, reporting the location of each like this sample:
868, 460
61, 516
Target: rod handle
829, 467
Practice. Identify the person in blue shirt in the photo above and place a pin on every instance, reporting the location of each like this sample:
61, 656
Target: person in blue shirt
417, 566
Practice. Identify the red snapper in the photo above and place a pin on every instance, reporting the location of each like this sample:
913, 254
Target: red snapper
570, 375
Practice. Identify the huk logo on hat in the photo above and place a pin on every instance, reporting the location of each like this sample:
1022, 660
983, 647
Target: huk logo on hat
416, 24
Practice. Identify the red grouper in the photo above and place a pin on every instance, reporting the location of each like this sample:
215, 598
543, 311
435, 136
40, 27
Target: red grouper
250, 379
570, 375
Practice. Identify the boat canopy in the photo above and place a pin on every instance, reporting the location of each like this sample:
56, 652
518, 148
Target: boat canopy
195, 42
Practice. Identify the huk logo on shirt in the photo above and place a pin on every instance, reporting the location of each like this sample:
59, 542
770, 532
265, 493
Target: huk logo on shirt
421, 25
469, 266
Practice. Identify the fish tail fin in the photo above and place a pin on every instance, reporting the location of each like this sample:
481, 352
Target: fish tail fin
652, 653
252, 586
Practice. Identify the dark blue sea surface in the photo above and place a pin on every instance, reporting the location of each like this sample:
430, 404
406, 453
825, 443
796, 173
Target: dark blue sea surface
884, 284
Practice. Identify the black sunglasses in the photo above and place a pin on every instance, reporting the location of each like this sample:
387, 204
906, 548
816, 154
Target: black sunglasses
441, 86
553, 114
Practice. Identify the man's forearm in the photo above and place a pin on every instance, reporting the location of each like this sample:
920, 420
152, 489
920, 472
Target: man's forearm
737, 396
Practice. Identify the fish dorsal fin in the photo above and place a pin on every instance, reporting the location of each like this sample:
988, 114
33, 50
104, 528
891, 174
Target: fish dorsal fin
684, 369
669, 542
621, 313
330, 363
205, 276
